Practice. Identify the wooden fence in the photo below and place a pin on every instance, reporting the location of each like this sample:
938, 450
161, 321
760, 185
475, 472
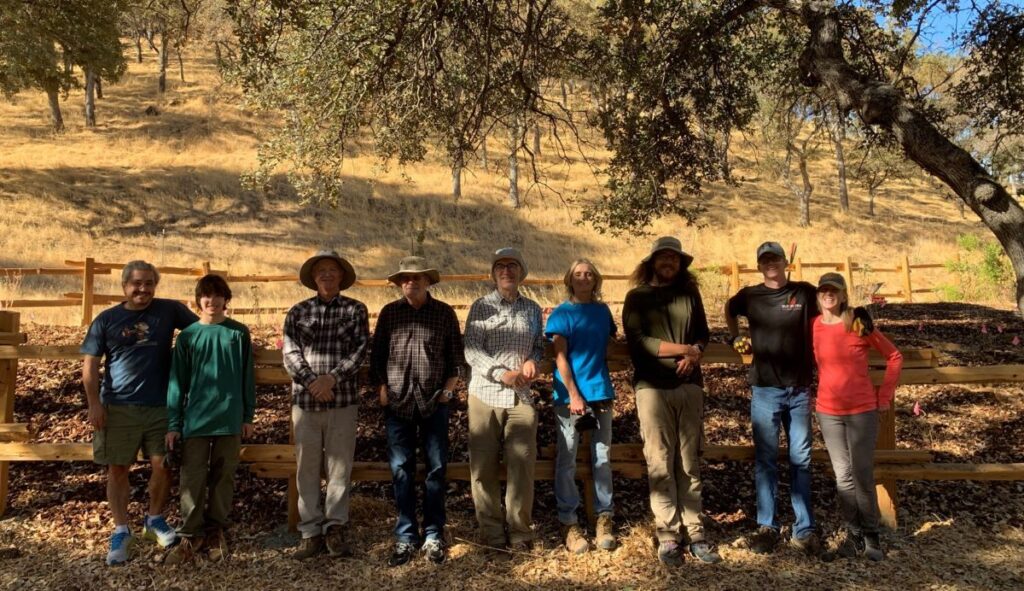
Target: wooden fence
87, 299
278, 461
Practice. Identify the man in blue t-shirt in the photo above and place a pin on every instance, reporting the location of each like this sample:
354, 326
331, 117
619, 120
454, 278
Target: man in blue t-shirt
128, 412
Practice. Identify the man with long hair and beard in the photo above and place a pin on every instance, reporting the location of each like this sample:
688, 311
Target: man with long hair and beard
667, 330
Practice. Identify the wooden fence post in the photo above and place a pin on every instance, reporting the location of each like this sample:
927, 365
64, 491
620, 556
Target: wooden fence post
908, 291
9, 322
848, 274
798, 269
886, 487
206, 267
88, 281
734, 277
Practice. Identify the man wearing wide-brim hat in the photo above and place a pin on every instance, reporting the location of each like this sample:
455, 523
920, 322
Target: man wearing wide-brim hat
666, 329
504, 343
415, 363
325, 343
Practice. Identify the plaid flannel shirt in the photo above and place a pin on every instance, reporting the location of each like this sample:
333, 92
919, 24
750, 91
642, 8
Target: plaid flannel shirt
415, 352
326, 337
500, 336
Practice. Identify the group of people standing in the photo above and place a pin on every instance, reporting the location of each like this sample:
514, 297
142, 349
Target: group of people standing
199, 399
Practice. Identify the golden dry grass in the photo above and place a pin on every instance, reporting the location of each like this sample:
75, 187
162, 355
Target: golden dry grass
166, 188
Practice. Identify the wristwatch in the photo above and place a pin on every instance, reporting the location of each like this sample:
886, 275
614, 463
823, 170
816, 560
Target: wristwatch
700, 347
446, 396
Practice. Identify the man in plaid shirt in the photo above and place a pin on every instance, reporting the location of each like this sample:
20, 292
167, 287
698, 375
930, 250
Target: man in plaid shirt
504, 343
415, 364
325, 342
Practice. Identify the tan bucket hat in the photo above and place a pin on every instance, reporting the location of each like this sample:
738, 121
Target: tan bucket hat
414, 264
669, 243
509, 253
306, 272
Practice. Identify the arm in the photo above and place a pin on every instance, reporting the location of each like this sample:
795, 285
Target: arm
249, 383
349, 365
893, 366
477, 357
454, 352
294, 361
91, 383
639, 342
178, 386
380, 349
183, 316
577, 405
735, 308
529, 367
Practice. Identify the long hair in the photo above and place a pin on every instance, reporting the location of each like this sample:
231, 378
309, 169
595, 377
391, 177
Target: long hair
213, 285
598, 279
685, 281
845, 311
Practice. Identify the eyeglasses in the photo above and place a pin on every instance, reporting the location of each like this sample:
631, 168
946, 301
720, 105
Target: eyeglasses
509, 266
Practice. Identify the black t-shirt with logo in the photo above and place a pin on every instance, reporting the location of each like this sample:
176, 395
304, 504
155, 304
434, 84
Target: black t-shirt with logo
780, 332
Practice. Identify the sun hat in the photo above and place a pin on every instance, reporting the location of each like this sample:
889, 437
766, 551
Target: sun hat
306, 272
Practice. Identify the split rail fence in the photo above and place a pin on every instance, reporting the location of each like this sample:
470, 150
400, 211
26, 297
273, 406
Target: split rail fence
89, 301
278, 460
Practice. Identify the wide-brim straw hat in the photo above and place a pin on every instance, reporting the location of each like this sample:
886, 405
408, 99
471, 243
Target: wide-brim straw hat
414, 264
306, 272
509, 253
670, 243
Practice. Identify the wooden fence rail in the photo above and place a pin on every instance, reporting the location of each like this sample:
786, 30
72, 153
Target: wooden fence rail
87, 299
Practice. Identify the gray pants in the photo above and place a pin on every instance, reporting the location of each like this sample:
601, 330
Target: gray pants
851, 443
325, 442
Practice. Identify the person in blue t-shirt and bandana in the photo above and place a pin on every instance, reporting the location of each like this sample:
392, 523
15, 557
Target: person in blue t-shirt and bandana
580, 329
128, 412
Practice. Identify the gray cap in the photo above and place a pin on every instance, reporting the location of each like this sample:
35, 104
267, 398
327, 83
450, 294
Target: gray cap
834, 279
411, 265
669, 243
509, 253
306, 272
770, 248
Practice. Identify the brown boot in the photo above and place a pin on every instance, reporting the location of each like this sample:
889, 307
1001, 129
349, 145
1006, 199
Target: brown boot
185, 551
309, 547
575, 539
337, 545
605, 532
216, 545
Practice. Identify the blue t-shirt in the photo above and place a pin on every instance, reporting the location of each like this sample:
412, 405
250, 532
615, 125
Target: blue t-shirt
137, 347
587, 328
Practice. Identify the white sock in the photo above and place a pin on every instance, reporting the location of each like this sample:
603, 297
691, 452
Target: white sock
150, 518
121, 529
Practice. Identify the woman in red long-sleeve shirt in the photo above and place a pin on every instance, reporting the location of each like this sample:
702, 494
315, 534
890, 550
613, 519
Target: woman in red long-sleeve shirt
848, 408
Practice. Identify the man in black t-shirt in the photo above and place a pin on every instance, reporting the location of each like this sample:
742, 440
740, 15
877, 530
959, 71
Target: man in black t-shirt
779, 313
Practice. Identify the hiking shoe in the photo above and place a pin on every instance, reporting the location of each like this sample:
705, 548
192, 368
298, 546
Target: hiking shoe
575, 539
336, 543
604, 537
402, 554
120, 546
873, 548
184, 552
705, 553
433, 549
520, 547
670, 554
309, 547
763, 541
850, 545
157, 530
217, 545
809, 544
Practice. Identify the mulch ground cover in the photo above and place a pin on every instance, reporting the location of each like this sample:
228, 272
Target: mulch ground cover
952, 535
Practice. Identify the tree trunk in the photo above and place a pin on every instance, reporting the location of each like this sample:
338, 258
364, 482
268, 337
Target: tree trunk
90, 97
162, 80
805, 195
513, 166
181, 64
483, 152
871, 200
565, 96
138, 48
536, 140
878, 103
53, 97
838, 137
99, 87
457, 177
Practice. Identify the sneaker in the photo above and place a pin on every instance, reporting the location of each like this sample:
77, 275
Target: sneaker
157, 530
217, 545
705, 553
184, 552
433, 549
575, 539
402, 554
670, 554
764, 540
604, 537
873, 548
309, 547
337, 545
850, 545
120, 546
809, 544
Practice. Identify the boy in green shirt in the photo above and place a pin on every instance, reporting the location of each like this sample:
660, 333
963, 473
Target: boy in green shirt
210, 401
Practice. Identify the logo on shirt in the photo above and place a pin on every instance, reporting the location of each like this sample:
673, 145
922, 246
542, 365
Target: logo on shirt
139, 331
792, 304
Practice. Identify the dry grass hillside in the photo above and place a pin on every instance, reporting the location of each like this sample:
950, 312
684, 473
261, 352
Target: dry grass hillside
166, 188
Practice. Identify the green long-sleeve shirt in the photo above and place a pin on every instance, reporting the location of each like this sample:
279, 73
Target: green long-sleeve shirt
213, 383
651, 315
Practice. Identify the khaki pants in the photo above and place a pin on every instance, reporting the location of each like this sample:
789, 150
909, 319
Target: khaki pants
494, 432
325, 441
672, 429
207, 471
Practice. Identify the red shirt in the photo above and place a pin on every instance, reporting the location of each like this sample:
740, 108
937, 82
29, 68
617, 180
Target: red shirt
844, 385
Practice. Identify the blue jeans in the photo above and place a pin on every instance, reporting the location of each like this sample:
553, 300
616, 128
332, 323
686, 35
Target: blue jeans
790, 408
404, 437
567, 495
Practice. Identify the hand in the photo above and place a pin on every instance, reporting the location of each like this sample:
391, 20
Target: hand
322, 388
172, 437
97, 417
513, 379
577, 406
529, 369
248, 430
383, 395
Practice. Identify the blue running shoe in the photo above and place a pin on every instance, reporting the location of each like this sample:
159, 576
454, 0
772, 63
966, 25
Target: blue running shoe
157, 530
120, 543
